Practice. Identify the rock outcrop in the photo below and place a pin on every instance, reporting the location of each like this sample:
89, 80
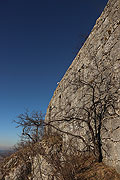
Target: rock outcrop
100, 53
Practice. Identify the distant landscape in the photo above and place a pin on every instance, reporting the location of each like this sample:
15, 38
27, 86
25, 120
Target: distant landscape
4, 153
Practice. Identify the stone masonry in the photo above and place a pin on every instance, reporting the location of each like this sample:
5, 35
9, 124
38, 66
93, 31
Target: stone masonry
101, 47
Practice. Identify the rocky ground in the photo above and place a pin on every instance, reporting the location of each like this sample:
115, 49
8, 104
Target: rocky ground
83, 166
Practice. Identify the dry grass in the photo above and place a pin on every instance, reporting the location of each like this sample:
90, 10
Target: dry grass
98, 171
85, 168
64, 166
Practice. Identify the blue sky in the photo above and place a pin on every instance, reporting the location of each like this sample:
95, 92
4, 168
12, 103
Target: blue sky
38, 41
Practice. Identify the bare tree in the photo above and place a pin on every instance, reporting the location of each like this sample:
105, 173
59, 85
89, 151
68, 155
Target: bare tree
32, 125
98, 102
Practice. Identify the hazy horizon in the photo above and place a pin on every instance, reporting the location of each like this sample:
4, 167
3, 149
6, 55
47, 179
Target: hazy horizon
5, 147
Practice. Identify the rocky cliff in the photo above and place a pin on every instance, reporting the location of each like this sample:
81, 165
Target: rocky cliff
83, 116
98, 58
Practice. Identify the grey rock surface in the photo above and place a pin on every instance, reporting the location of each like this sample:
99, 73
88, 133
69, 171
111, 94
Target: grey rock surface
102, 46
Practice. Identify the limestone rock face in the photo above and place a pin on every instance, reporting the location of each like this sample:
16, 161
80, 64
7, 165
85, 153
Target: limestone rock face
42, 166
102, 48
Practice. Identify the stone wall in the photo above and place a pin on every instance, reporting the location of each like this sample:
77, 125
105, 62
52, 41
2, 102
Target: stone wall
102, 48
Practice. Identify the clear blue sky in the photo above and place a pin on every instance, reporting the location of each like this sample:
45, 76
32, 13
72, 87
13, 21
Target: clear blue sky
38, 42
